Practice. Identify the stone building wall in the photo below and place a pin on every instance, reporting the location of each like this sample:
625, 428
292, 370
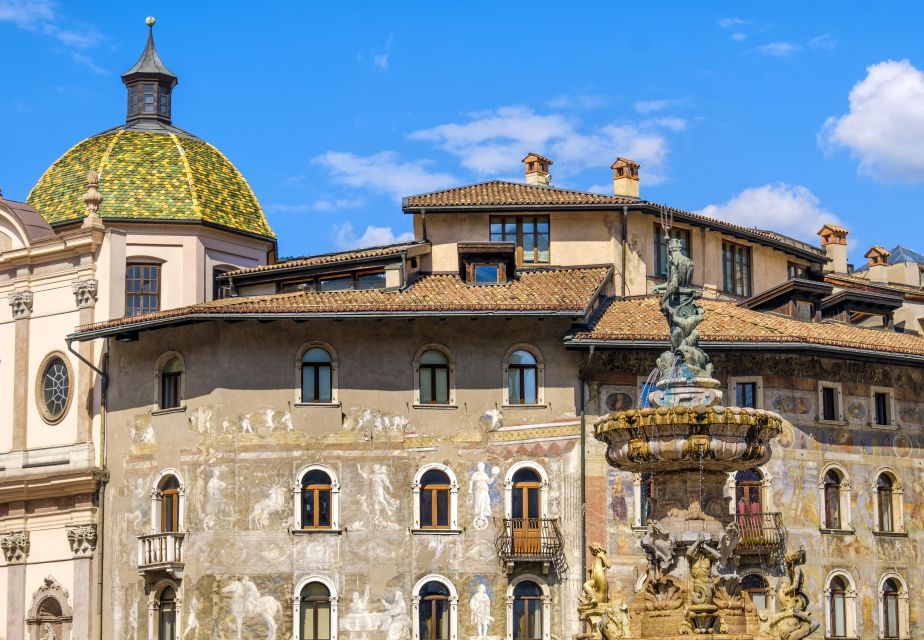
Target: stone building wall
789, 386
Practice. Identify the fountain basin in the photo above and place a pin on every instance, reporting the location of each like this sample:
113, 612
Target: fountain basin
688, 438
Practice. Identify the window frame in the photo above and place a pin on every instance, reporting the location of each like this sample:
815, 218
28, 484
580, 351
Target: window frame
730, 268
889, 397
769, 595
850, 604
793, 270
517, 239
661, 253
843, 497
298, 524
895, 506
902, 612
177, 378
540, 376
40, 387
757, 381
452, 488
543, 487
450, 373
157, 502
334, 375
297, 603
546, 604
154, 609
141, 263
838, 403
453, 599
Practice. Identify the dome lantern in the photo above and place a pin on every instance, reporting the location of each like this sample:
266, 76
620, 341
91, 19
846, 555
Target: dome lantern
149, 83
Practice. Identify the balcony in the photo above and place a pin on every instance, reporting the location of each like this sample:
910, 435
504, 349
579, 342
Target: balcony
761, 533
531, 540
161, 552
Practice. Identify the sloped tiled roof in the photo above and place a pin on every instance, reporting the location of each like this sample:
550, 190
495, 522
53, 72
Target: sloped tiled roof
897, 255
568, 291
640, 319
162, 174
501, 193
31, 220
909, 291
330, 258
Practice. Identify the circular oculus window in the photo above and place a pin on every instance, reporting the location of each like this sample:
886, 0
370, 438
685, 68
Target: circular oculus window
53, 392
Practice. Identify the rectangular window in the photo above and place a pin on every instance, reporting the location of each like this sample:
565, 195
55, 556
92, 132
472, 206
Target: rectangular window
794, 270
339, 283
530, 234
829, 403
660, 247
881, 405
170, 390
736, 269
375, 280
220, 289
142, 289
746, 394
486, 273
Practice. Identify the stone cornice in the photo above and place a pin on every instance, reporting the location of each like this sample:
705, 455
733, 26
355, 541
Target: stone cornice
50, 484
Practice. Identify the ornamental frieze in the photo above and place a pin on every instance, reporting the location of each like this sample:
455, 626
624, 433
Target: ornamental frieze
15, 546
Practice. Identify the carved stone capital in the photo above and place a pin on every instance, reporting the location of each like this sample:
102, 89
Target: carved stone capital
85, 292
21, 303
82, 539
15, 546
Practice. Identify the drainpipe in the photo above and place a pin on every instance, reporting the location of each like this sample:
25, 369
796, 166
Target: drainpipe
625, 236
581, 405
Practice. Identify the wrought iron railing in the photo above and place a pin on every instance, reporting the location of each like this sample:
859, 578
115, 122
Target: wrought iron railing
532, 540
760, 532
161, 551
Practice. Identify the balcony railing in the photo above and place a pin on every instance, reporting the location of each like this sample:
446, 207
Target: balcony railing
161, 552
761, 533
531, 540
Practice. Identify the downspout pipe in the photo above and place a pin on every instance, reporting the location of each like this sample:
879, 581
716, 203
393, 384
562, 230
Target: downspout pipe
625, 242
582, 405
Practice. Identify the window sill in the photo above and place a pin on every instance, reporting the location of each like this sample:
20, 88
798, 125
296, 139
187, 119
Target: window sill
164, 412
436, 532
891, 534
309, 532
885, 427
836, 532
320, 405
524, 406
417, 405
839, 423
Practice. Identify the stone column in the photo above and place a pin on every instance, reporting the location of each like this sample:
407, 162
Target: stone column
82, 539
15, 547
21, 304
85, 292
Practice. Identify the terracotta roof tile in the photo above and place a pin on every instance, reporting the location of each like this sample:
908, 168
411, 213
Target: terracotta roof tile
561, 290
330, 258
909, 291
640, 319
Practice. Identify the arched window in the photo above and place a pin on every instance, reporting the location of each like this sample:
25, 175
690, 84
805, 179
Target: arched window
50, 614
434, 605
314, 609
170, 383
894, 615
840, 606
316, 500
435, 499
317, 376
755, 585
527, 611
885, 520
749, 503
832, 489
522, 378
433, 377
168, 503
166, 616
526, 506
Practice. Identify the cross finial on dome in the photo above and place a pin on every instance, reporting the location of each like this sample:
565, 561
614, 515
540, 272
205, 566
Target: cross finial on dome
149, 83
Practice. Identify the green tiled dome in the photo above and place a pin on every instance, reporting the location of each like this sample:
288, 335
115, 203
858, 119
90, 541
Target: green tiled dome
161, 174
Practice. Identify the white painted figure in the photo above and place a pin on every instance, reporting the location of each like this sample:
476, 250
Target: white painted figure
246, 601
274, 503
192, 621
480, 606
48, 632
383, 505
287, 421
213, 489
480, 487
399, 623
246, 426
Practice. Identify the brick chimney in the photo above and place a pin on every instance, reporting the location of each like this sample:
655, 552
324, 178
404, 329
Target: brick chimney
834, 242
878, 261
625, 177
537, 169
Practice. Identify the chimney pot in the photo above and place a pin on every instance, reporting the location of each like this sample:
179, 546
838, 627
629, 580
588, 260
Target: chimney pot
537, 169
834, 242
625, 177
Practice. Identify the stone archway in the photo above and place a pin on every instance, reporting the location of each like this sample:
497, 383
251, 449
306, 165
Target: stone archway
50, 616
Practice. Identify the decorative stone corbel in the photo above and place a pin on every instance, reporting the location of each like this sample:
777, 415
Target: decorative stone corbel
21, 303
15, 546
85, 292
82, 539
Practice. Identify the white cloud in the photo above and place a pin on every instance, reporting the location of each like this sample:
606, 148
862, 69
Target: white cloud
384, 172
884, 128
322, 204
788, 209
40, 16
344, 236
824, 41
582, 101
738, 36
728, 23
778, 49
494, 141
650, 106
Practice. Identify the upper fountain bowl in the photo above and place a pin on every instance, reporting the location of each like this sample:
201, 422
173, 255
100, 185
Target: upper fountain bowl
713, 438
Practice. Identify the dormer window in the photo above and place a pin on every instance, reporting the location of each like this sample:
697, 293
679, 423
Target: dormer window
487, 273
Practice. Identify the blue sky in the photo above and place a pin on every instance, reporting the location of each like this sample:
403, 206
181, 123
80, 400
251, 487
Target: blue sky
780, 115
